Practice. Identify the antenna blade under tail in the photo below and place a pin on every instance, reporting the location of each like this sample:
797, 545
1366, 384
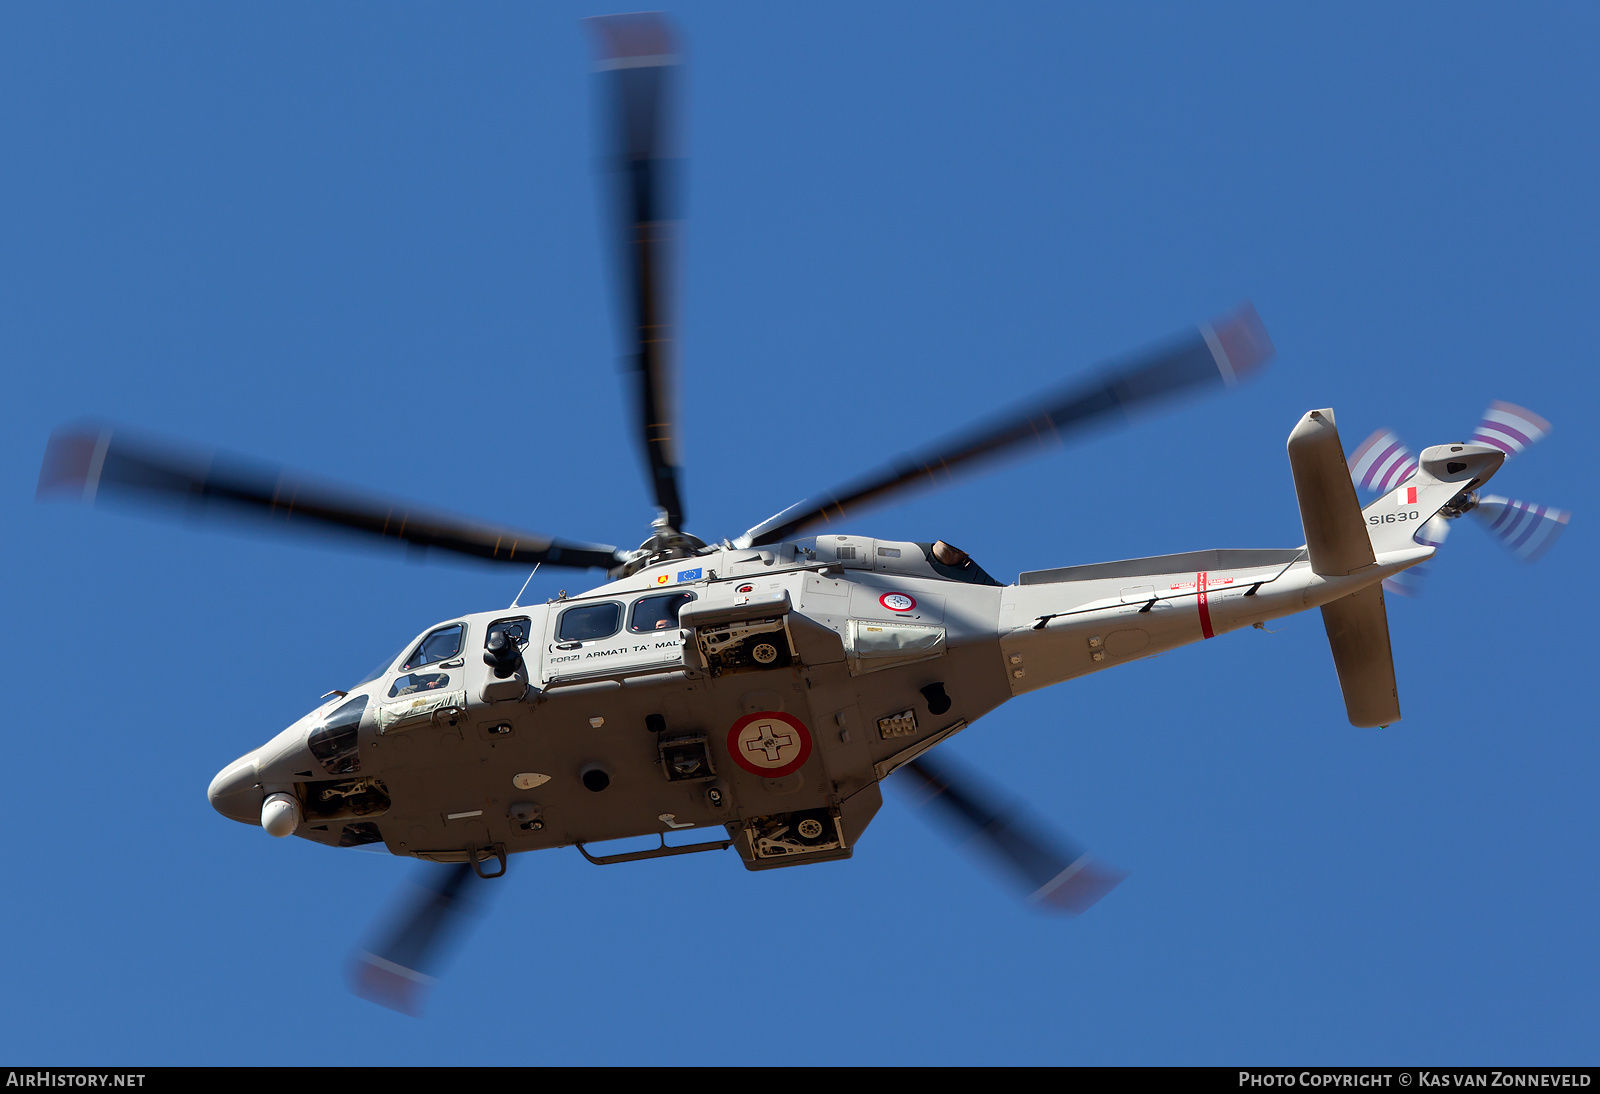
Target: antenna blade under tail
1358, 635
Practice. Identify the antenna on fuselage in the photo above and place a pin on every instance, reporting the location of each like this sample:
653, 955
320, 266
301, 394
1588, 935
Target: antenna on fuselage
525, 585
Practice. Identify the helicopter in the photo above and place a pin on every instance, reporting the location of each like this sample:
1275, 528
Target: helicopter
761, 687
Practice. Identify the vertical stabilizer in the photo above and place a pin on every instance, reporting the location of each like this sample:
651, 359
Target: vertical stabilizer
1358, 635
1336, 532
1396, 520
1338, 545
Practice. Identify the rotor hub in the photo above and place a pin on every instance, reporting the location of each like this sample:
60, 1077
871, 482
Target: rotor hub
665, 543
1464, 502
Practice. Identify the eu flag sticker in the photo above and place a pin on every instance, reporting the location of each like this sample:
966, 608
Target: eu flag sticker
688, 575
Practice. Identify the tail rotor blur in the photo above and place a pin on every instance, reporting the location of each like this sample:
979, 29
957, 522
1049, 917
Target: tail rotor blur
1382, 462
1510, 428
1523, 528
1528, 531
1410, 582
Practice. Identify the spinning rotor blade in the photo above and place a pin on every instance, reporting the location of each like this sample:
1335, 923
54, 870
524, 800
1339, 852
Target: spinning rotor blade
398, 972
1057, 878
1510, 428
1526, 530
637, 56
97, 463
1433, 533
1215, 355
1382, 462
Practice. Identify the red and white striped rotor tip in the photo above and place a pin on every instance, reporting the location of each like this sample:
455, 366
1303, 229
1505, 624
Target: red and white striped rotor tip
640, 39
1241, 344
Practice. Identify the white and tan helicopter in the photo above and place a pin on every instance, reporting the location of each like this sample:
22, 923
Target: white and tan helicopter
762, 687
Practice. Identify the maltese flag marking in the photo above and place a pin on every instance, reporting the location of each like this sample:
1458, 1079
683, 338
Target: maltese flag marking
1406, 496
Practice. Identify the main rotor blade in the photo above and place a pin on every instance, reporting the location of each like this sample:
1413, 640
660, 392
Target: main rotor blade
1056, 875
637, 58
399, 970
1215, 355
96, 463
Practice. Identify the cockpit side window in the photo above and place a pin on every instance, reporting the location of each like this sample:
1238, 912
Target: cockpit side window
413, 682
589, 622
441, 645
657, 613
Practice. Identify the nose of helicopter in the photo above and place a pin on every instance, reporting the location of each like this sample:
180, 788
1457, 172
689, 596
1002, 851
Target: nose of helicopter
236, 791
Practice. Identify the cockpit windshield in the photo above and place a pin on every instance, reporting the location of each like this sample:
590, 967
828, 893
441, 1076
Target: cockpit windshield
381, 668
437, 646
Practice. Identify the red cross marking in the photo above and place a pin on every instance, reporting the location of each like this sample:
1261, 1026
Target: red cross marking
769, 742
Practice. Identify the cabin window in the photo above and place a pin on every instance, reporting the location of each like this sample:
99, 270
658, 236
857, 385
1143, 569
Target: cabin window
516, 629
589, 622
657, 613
441, 645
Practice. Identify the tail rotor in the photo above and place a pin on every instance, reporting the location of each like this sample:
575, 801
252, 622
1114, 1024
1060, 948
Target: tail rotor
1410, 582
1525, 529
1528, 531
1510, 428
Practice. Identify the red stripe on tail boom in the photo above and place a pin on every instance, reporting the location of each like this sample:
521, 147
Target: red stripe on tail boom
1205, 610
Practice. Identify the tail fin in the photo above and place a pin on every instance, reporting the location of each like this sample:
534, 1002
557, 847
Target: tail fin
1358, 635
1395, 521
1357, 626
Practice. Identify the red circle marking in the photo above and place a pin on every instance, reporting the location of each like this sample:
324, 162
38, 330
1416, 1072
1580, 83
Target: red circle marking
898, 602
764, 743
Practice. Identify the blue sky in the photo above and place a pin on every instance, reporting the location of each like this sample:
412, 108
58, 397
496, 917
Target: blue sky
364, 240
